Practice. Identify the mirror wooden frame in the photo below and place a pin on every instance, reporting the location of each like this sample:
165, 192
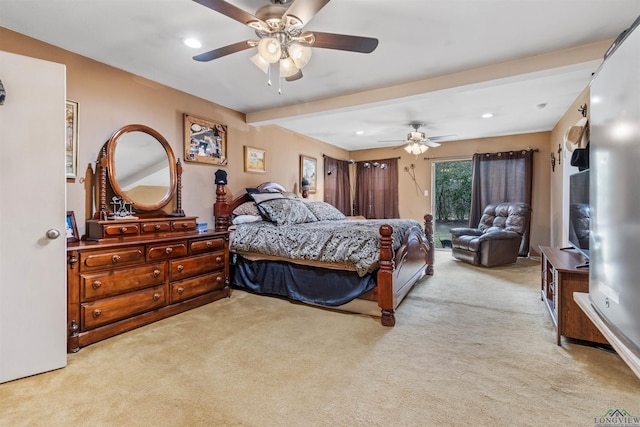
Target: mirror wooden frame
106, 168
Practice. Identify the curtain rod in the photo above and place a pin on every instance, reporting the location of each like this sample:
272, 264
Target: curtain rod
361, 161
464, 157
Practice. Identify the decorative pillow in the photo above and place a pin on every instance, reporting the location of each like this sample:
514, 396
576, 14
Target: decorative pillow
285, 211
324, 211
243, 219
247, 208
261, 197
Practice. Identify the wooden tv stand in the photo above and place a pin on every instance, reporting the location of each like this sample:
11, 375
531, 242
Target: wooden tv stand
562, 275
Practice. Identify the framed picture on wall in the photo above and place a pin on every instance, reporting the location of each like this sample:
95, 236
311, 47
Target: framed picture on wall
309, 170
255, 160
205, 141
71, 137
71, 228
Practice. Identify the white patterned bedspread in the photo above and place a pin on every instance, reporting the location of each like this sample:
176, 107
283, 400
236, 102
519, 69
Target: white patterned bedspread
355, 242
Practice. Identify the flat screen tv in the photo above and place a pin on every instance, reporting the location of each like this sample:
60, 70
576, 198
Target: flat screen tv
579, 211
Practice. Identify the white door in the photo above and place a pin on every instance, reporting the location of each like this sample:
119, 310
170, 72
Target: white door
32, 202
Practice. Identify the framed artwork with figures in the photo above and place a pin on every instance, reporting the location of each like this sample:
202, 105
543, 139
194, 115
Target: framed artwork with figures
205, 141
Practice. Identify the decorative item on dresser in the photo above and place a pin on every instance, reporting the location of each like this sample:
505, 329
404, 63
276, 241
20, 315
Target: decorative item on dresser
392, 255
142, 259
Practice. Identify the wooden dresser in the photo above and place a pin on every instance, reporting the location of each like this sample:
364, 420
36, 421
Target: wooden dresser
562, 275
117, 285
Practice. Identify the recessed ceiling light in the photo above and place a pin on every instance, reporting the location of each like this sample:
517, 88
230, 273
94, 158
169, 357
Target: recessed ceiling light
541, 106
359, 132
192, 43
487, 115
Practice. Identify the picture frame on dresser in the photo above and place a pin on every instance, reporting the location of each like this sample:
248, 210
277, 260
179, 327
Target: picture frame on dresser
71, 228
205, 141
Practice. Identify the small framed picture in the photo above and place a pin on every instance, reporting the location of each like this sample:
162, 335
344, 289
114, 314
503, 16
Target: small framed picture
309, 170
71, 145
205, 141
255, 160
71, 228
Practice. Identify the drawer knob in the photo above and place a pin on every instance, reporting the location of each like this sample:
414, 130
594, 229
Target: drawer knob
218, 260
156, 272
185, 225
115, 258
180, 268
156, 296
180, 290
156, 227
96, 284
96, 313
168, 250
209, 244
123, 230
219, 279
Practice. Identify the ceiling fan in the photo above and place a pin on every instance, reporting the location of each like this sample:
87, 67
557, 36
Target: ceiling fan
281, 38
417, 142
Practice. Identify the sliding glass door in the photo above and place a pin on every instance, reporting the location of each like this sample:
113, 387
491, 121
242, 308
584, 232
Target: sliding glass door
451, 198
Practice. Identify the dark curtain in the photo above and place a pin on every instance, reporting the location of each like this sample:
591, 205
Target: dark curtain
337, 188
377, 189
501, 177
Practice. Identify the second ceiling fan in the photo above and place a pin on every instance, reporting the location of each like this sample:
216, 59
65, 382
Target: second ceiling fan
416, 141
281, 38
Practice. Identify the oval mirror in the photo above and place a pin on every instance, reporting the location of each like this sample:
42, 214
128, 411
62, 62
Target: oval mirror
141, 167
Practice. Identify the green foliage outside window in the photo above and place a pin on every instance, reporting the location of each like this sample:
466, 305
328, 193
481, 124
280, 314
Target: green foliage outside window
453, 191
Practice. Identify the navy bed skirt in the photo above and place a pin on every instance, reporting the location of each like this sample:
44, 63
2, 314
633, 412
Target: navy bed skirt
300, 282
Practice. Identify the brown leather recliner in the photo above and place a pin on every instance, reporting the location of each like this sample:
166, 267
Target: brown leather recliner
497, 239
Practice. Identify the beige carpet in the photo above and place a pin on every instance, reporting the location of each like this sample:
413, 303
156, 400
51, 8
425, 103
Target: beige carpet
472, 347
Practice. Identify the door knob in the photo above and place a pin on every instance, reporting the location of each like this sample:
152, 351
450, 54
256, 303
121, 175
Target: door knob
53, 234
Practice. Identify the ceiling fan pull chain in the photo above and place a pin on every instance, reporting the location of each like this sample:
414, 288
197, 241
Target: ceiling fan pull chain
269, 78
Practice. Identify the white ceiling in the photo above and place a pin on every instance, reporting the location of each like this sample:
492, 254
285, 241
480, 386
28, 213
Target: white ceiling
435, 63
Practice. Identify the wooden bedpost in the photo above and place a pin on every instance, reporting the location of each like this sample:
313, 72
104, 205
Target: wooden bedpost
385, 277
428, 231
221, 209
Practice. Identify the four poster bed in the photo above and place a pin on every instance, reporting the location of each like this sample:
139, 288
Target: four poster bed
308, 251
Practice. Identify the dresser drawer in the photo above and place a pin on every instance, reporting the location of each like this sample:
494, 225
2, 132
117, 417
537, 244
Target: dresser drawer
208, 245
189, 288
100, 285
109, 310
155, 227
121, 230
111, 258
167, 250
184, 225
183, 268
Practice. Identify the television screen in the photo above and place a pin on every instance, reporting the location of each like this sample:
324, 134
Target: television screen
579, 211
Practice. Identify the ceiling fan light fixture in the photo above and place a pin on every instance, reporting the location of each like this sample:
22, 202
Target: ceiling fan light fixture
300, 54
260, 62
270, 49
416, 148
288, 67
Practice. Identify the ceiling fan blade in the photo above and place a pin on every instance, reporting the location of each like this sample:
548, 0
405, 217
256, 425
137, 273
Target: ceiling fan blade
303, 10
296, 76
234, 12
439, 137
345, 42
393, 140
223, 51
431, 143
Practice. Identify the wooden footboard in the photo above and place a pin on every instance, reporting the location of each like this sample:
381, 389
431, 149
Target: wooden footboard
398, 271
